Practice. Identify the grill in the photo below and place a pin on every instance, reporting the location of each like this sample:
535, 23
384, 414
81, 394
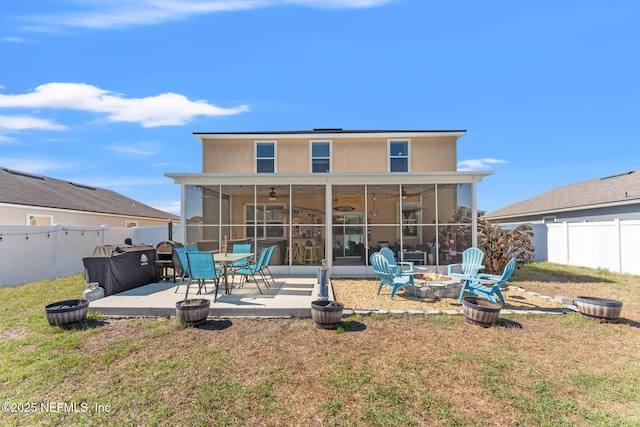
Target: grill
165, 260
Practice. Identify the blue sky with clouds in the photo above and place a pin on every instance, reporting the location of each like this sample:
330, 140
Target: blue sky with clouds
108, 92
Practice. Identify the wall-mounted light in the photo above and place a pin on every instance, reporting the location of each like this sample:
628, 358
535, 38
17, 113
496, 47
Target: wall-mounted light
272, 194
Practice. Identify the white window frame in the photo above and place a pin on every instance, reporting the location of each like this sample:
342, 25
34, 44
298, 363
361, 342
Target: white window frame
408, 156
274, 158
36, 216
311, 158
263, 222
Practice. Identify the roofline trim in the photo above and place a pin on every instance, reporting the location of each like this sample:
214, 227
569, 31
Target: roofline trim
560, 210
329, 134
333, 178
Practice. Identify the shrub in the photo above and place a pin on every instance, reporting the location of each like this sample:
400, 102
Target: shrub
501, 244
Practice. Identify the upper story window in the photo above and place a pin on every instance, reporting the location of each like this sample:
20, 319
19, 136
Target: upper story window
265, 157
398, 156
320, 157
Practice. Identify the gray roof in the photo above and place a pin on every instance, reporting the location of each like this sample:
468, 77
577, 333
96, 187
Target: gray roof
21, 188
612, 190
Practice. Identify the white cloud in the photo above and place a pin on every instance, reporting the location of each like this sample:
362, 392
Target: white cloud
26, 122
110, 14
171, 207
14, 39
7, 140
33, 165
478, 164
137, 149
167, 109
127, 182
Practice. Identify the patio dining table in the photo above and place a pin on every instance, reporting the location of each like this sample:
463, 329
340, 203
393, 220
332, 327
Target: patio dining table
228, 259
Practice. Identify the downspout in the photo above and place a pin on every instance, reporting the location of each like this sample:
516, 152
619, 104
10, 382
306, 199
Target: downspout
328, 246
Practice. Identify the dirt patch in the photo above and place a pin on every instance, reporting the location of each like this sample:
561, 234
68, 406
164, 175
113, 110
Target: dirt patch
361, 294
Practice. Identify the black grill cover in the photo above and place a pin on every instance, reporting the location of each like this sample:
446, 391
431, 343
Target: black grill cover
122, 267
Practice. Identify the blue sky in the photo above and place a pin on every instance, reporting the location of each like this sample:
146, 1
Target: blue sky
108, 92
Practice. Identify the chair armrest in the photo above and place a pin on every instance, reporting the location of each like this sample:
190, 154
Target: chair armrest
489, 277
450, 268
406, 263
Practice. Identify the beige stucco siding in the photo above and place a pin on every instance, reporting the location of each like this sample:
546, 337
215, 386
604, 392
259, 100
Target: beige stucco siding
293, 155
228, 156
349, 155
18, 216
433, 154
360, 155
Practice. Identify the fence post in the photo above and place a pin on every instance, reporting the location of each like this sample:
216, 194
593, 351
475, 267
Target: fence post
617, 229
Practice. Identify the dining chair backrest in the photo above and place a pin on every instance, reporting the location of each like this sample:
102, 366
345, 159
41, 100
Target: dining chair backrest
241, 248
261, 259
201, 265
269, 255
182, 258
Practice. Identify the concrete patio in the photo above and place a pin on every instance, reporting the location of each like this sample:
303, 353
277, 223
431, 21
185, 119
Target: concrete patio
289, 297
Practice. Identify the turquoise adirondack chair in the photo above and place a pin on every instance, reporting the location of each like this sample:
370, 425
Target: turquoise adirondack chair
398, 265
489, 285
202, 267
470, 266
389, 275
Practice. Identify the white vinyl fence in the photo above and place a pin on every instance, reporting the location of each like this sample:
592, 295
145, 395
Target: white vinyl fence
612, 245
29, 253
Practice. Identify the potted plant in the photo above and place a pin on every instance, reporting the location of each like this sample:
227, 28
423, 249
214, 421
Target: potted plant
606, 310
193, 311
68, 311
480, 311
326, 314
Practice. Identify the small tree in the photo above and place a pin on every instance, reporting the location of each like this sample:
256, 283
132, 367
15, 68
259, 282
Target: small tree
500, 245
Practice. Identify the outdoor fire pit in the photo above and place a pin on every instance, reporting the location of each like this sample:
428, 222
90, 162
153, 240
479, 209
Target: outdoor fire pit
433, 285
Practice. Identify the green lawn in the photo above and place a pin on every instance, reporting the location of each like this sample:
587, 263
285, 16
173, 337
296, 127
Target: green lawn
404, 370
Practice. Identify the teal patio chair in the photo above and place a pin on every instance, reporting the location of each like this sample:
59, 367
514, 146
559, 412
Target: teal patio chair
489, 285
397, 265
469, 268
184, 265
239, 248
267, 261
202, 267
253, 269
389, 275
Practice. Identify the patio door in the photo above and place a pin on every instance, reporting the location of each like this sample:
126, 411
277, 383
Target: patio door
348, 236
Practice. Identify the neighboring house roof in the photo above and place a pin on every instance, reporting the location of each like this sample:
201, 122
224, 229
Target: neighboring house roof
21, 188
615, 190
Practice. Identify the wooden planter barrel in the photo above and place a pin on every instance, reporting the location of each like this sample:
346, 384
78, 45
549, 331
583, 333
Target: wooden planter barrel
605, 310
193, 311
65, 312
480, 311
326, 314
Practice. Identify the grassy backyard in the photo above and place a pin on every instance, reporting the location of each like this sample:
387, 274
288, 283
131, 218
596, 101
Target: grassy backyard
404, 370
